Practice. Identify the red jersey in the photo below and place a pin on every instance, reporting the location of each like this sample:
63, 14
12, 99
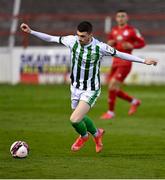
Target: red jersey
122, 35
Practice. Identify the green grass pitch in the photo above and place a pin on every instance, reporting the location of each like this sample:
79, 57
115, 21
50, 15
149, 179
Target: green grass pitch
134, 147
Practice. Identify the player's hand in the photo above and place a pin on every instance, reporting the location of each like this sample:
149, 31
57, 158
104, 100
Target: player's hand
24, 27
127, 46
151, 61
111, 42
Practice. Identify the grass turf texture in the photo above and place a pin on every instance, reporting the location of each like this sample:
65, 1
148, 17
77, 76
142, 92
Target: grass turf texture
134, 147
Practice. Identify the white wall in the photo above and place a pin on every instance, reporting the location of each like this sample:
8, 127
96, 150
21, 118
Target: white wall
5, 65
144, 74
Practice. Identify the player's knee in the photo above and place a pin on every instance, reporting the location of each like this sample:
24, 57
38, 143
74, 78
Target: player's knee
113, 85
75, 119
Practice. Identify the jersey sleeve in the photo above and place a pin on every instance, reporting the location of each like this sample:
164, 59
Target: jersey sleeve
138, 39
110, 51
68, 41
107, 50
129, 57
45, 37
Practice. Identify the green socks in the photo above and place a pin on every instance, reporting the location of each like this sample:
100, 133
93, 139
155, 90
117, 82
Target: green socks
80, 127
85, 125
90, 125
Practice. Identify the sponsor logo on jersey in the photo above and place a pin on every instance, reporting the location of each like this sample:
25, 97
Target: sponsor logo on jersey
119, 38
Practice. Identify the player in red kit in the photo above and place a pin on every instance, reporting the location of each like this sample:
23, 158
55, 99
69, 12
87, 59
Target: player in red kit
124, 38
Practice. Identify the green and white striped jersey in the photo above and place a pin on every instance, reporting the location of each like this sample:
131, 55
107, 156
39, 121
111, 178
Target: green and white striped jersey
85, 61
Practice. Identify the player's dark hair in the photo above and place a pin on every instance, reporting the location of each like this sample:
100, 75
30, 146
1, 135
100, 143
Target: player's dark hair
85, 26
121, 11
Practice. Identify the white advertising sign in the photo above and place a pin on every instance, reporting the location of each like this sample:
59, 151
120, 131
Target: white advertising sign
46, 65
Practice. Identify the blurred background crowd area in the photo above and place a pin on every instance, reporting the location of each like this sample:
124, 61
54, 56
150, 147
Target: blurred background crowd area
60, 17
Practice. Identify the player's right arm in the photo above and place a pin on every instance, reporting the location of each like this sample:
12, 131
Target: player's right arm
24, 27
111, 40
68, 41
40, 35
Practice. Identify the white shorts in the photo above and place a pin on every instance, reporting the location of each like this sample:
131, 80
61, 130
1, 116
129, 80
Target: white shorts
88, 96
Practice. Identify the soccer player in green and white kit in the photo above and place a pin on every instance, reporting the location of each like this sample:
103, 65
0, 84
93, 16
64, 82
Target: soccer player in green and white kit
86, 55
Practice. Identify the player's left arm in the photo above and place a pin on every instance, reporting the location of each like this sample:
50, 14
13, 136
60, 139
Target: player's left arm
138, 39
130, 57
110, 51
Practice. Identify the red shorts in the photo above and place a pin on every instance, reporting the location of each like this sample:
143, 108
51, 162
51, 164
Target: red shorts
119, 72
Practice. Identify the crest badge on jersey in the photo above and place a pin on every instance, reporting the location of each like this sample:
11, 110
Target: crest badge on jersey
126, 33
94, 56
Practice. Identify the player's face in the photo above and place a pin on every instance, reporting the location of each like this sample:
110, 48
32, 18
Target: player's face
121, 18
84, 37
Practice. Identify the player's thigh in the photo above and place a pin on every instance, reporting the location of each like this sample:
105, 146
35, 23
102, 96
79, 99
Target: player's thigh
81, 102
121, 73
80, 111
75, 97
114, 84
111, 73
90, 97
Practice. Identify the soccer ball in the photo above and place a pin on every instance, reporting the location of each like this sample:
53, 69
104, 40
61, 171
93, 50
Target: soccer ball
19, 149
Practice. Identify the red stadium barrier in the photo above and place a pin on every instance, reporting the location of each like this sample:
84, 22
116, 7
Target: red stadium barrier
98, 18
